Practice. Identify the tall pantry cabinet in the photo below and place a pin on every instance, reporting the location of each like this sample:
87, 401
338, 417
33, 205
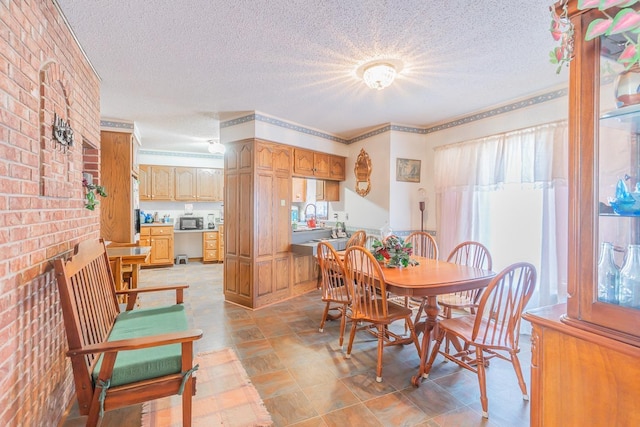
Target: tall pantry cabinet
118, 171
585, 368
257, 186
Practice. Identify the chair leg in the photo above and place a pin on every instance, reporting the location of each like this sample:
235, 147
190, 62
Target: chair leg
447, 341
352, 335
381, 332
482, 380
516, 366
324, 317
343, 324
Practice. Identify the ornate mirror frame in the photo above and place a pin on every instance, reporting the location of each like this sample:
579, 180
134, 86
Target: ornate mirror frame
362, 171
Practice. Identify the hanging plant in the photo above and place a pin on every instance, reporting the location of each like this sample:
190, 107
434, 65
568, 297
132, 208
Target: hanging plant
92, 189
561, 31
625, 22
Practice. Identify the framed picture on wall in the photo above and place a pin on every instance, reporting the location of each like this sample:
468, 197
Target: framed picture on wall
408, 170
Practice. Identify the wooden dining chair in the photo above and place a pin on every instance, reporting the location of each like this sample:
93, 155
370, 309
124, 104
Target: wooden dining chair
335, 291
127, 269
423, 244
364, 275
473, 254
115, 263
494, 331
358, 238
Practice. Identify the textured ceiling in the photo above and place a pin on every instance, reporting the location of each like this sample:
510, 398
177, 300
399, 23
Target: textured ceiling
173, 67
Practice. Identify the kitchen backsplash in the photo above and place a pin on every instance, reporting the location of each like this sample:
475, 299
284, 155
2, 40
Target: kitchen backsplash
177, 209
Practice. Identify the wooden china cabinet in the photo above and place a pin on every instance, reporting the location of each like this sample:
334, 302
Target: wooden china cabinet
586, 353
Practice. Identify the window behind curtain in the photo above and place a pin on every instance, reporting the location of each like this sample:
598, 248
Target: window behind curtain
509, 192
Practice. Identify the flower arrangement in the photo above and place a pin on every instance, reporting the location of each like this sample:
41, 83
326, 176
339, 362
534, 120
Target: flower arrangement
92, 189
393, 251
626, 21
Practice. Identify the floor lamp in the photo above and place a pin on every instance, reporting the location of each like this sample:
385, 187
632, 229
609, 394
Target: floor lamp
422, 204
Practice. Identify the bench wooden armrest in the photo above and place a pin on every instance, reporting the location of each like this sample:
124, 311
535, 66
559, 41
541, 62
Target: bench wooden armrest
138, 343
133, 293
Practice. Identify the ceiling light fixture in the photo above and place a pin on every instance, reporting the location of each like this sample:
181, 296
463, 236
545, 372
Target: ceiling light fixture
215, 147
379, 76
380, 73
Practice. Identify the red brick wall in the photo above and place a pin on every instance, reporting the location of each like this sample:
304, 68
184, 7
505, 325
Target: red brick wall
42, 214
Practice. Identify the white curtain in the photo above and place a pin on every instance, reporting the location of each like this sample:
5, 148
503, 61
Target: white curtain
509, 192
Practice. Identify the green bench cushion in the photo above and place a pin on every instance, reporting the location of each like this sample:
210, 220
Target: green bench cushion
137, 365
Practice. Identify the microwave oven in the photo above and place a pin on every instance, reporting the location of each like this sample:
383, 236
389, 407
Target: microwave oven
191, 223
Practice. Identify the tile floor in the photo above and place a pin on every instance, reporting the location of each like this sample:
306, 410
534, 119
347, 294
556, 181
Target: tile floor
304, 379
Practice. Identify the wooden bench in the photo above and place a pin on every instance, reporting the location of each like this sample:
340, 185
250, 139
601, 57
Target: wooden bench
122, 358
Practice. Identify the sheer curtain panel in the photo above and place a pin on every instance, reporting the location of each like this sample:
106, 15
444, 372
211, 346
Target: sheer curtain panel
509, 191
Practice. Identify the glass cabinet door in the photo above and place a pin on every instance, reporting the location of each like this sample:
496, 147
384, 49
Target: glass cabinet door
615, 289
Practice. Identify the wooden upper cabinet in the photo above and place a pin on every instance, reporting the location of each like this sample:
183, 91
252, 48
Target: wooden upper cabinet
327, 191
298, 189
162, 183
185, 184
321, 165
337, 168
156, 182
210, 185
303, 162
144, 182
312, 164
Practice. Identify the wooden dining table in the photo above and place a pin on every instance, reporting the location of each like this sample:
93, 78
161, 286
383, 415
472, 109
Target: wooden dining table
429, 279
134, 255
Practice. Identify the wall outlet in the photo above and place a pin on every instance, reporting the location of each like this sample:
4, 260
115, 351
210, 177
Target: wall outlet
346, 217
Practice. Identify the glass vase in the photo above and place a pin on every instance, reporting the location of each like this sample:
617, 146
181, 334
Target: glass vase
608, 275
629, 295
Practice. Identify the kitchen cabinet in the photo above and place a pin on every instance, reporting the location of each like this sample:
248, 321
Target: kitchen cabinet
156, 182
328, 191
313, 164
209, 185
591, 343
298, 189
210, 246
305, 274
337, 168
160, 238
190, 184
117, 175
185, 184
220, 242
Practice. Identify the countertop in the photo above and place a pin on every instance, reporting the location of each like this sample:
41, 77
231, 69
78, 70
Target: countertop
311, 247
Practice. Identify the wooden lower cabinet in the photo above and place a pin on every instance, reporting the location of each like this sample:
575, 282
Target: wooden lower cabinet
210, 246
305, 274
213, 245
160, 238
220, 243
578, 377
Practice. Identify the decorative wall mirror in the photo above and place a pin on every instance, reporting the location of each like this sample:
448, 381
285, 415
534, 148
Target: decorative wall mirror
363, 173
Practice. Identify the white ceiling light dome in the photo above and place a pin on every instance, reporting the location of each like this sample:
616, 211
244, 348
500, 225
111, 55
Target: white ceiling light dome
379, 74
215, 147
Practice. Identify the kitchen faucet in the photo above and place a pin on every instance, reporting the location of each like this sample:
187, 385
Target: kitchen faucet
311, 222
307, 208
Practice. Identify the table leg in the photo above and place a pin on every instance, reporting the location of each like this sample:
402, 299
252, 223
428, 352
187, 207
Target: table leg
135, 269
431, 309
